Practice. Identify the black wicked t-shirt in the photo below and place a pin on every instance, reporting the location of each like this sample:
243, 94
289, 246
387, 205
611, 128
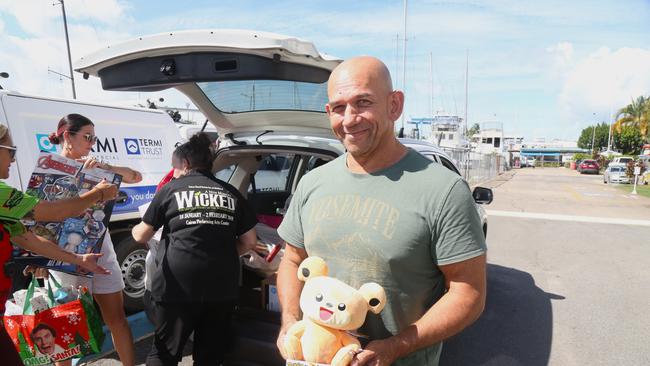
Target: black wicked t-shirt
202, 218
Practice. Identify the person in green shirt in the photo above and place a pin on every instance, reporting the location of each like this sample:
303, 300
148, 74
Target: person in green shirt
384, 213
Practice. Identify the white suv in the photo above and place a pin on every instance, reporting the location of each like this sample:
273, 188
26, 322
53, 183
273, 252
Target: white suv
265, 95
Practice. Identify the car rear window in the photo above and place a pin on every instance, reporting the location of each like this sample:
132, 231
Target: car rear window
264, 95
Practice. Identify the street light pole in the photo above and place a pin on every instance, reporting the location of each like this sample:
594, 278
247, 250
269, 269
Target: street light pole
593, 135
67, 43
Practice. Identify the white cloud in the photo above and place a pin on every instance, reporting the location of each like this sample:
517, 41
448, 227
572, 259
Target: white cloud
106, 11
41, 45
605, 81
38, 17
33, 16
563, 58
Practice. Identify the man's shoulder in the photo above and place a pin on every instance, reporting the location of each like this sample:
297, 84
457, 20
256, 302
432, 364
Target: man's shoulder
432, 171
332, 167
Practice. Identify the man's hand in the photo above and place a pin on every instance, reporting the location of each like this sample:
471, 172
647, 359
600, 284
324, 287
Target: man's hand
89, 263
280, 341
377, 353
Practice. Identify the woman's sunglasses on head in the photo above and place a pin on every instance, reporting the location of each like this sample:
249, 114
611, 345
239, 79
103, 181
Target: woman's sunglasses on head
12, 150
88, 137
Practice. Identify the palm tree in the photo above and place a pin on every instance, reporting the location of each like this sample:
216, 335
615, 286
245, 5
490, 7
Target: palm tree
636, 114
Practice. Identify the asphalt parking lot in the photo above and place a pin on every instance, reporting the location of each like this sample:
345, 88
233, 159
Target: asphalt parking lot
568, 277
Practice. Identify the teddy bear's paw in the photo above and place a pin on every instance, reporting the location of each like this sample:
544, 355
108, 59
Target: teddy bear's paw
345, 355
293, 348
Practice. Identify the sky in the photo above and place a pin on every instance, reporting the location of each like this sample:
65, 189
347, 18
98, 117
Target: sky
542, 69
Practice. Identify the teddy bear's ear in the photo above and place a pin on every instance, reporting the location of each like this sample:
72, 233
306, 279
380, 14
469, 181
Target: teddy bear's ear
375, 296
312, 267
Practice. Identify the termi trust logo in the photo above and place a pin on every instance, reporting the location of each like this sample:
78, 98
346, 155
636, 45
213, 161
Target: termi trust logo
132, 146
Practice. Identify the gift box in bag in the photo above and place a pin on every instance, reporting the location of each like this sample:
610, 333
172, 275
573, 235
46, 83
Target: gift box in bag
47, 331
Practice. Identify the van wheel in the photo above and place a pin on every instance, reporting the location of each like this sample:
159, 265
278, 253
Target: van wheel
131, 257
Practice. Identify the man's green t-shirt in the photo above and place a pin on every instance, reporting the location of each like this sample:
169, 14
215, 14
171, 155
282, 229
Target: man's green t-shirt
393, 227
14, 205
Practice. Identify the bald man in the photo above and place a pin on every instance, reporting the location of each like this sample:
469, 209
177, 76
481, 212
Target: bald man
384, 213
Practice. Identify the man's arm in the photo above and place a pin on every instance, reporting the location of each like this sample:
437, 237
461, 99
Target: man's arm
459, 307
247, 241
289, 288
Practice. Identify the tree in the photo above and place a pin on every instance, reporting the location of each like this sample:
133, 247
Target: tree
474, 130
600, 140
635, 114
629, 140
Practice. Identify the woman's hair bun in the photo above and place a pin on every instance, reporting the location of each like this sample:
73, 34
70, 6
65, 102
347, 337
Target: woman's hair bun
54, 138
200, 139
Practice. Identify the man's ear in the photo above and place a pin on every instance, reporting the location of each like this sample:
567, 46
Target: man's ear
312, 267
375, 296
395, 104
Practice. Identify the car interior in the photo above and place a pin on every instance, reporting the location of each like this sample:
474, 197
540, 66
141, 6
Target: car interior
266, 176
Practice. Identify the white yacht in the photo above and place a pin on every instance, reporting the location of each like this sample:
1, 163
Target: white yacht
443, 129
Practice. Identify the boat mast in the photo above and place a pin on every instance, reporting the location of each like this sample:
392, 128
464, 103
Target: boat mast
404, 63
466, 82
431, 104
468, 151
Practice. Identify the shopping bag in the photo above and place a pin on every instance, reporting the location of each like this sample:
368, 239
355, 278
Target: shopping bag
47, 331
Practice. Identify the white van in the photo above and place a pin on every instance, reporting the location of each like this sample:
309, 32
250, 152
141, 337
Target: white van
142, 139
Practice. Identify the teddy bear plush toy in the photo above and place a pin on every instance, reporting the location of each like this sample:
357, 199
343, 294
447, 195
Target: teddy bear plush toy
330, 309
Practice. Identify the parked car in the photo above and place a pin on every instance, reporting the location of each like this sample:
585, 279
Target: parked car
265, 95
589, 166
622, 160
616, 173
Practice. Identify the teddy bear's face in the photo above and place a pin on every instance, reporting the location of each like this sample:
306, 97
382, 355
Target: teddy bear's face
332, 303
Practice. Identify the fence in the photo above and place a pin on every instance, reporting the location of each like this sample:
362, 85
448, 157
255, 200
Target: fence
477, 167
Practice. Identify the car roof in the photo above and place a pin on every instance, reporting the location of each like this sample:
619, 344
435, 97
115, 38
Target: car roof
421, 145
425, 146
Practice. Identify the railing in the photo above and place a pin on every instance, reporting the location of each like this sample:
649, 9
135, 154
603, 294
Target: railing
477, 167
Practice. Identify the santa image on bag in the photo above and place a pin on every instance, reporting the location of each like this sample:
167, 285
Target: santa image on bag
44, 338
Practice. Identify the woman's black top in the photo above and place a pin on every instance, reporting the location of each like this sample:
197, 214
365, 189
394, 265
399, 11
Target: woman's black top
202, 217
